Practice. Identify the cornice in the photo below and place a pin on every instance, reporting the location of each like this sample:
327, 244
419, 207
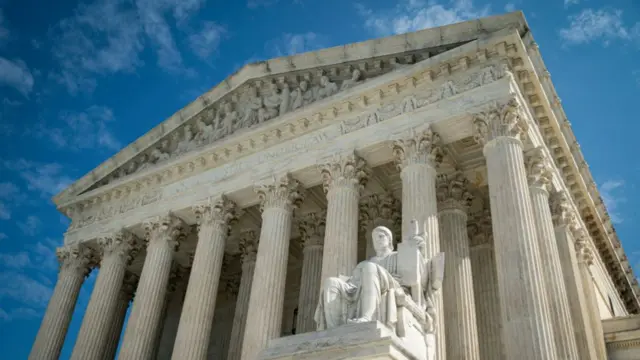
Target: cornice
565, 151
434, 38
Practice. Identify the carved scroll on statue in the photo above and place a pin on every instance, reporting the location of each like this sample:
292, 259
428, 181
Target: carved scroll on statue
410, 263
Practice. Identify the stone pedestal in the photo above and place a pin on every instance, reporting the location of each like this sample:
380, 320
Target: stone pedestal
196, 319
372, 340
539, 176
143, 327
343, 180
74, 267
312, 230
264, 315
461, 330
526, 327
249, 247
417, 157
117, 251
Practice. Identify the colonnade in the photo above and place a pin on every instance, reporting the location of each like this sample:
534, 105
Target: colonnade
516, 308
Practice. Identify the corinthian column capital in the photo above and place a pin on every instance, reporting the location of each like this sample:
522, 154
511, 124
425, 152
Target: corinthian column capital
584, 252
217, 210
312, 226
165, 229
284, 193
75, 258
418, 148
562, 212
538, 169
348, 170
499, 120
452, 192
122, 244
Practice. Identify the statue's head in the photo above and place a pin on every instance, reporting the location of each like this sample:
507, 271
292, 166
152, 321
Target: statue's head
382, 239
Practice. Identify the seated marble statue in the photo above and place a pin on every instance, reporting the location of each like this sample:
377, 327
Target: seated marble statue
364, 296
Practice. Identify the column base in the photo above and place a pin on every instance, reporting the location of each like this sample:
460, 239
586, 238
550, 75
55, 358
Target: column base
372, 340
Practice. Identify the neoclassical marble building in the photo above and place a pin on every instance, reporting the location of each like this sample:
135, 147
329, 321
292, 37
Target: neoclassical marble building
216, 229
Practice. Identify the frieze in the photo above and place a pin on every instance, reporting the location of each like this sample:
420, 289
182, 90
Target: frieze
389, 109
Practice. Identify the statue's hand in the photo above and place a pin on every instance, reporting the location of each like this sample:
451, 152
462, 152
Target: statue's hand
437, 284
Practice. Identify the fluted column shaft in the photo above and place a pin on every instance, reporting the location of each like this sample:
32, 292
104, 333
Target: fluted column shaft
264, 315
564, 219
117, 322
172, 311
249, 246
196, 320
312, 230
343, 179
143, 327
539, 179
95, 330
485, 288
74, 267
585, 260
418, 156
459, 307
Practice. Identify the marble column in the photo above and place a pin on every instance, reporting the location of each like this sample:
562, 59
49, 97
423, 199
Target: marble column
564, 221
125, 295
248, 247
312, 230
172, 310
418, 156
196, 320
343, 180
163, 235
539, 176
117, 252
75, 262
585, 256
460, 307
380, 210
526, 327
264, 314
485, 286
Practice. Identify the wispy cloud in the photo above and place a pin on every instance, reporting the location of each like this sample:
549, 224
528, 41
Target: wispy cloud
509, 7
45, 179
413, 15
30, 226
290, 44
81, 130
24, 289
568, 3
206, 41
17, 75
602, 25
612, 196
9, 195
4, 31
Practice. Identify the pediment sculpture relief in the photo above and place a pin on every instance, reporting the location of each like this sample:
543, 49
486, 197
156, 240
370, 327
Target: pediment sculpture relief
256, 103
378, 287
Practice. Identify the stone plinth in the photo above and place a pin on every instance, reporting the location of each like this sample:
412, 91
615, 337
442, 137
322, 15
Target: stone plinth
372, 340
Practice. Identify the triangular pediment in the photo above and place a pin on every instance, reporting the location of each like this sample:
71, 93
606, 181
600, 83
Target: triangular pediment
262, 92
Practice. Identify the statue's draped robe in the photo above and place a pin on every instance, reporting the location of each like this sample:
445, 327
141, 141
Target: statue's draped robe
369, 293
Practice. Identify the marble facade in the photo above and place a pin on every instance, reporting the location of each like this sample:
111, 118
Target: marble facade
218, 228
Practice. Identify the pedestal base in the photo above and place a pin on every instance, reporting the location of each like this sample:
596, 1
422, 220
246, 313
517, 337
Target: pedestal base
372, 340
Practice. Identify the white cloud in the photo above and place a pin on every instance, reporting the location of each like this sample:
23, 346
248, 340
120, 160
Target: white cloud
568, 3
5, 214
610, 191
88, 129
31, 226
19, 287
206, 41
254, 4
16, 74
290, 44
20, 313
413, 15
46, 179
15, 261
603, 25
509, 7
9, 195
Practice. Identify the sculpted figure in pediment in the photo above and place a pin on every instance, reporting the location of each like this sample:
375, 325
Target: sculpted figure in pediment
252, 106
273, 103
327, 88
356, 76
186, 144
205, 134
301, 96
225, 120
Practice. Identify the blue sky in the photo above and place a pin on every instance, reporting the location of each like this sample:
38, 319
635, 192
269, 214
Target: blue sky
78, 81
